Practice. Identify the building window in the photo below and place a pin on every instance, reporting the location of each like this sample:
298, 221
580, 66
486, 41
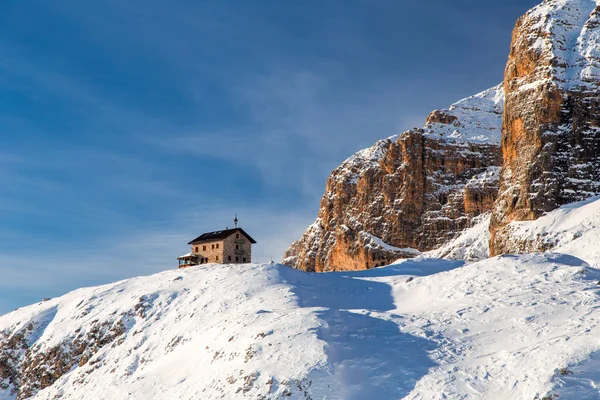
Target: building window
237, 235
237, 246
213, 246
203, 248
244, 259
237, 259
217, 258
217, 245
228, 258
196, 249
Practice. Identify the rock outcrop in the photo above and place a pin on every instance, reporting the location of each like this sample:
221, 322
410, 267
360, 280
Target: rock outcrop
408, 193
551, 127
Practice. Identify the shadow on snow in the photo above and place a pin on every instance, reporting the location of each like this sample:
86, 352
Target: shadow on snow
370, 357
412, 267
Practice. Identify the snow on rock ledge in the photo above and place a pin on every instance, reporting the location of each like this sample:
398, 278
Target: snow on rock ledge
472, 245
475, 119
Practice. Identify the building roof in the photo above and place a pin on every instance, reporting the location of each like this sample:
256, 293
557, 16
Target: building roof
216, 235
188, 255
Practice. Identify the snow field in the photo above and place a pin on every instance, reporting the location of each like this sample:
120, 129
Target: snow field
419, 329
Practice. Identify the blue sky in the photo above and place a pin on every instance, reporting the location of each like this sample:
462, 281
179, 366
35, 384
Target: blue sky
129, 128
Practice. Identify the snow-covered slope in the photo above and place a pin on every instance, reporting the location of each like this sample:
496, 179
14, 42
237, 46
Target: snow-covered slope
421, 329
572, 229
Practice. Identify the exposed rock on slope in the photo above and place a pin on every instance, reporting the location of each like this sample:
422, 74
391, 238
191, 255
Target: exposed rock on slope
551, 141
413, 191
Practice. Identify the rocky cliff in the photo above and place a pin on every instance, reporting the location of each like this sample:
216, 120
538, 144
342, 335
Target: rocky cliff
420, 189
408, 193
551, 140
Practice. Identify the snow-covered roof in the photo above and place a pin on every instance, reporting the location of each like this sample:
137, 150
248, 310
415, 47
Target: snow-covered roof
186, 255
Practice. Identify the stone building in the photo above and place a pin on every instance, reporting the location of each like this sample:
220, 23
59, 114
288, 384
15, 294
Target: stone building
222, 247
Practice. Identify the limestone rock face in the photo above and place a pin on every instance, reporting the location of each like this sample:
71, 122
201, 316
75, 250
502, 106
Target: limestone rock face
551, 126
408, 193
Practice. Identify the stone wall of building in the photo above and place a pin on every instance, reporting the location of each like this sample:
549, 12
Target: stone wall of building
213, 250
237, 249
234, 249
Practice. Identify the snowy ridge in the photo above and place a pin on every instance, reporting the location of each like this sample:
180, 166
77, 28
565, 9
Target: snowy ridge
479, 119
230, 318
352, 168
419, 329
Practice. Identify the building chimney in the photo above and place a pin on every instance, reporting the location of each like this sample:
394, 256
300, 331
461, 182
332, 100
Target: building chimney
235, 221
